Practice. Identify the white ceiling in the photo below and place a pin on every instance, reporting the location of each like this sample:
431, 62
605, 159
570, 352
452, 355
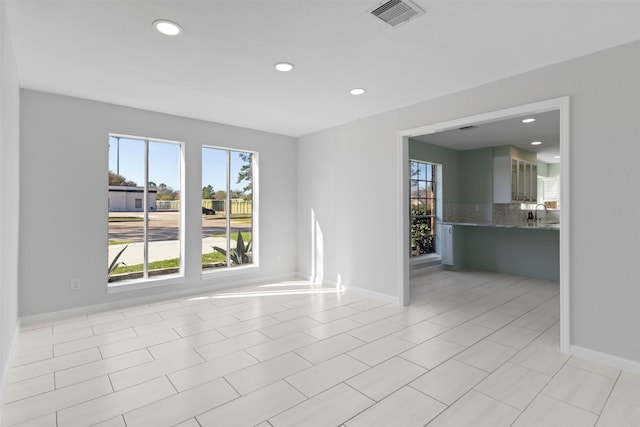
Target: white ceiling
221, 68
545, 129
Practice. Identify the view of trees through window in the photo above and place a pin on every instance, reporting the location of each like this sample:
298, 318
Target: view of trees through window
423, 208
144, 208
227, 208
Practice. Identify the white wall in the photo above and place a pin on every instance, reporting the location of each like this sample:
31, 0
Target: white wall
65, 140
9, 196
345, 180
348, 177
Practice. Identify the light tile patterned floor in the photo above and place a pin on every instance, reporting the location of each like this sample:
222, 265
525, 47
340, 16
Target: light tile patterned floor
472, 349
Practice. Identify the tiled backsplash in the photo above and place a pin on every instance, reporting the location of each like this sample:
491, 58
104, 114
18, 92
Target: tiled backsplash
480, 213
489, 213
509, 214
512, 214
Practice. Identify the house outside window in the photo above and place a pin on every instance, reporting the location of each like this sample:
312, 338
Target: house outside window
144, 222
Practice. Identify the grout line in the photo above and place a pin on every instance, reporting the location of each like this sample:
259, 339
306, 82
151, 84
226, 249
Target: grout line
234, 389
113, 389
171, 382
465, 286
429, 396
609, 398
500, 401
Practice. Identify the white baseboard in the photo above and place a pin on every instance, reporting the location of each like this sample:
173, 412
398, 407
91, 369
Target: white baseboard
372, 294
355, 289
605, 359
316, 280
109, 306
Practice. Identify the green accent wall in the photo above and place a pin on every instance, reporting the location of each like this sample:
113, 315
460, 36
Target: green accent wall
451, 166
549, 170
502, 151
553, 170
543, 169
477, 175
467, 176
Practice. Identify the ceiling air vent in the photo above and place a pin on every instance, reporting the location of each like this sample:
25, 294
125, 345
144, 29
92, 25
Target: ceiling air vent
396, 12
468, 127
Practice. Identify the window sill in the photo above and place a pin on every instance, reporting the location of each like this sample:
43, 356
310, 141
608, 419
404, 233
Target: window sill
136, 285
424, 258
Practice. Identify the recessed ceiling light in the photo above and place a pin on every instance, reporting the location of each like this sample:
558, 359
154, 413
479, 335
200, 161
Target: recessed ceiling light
167, 27
536, 143
357, 91
530, 120
284, 66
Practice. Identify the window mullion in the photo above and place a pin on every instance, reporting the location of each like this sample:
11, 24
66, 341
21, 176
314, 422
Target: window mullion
228, 202
145, 207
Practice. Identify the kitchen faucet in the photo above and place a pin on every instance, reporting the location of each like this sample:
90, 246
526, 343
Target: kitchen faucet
535, 214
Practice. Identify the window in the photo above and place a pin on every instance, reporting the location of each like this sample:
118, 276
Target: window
551, 192
423, 208
227, 208
145, 180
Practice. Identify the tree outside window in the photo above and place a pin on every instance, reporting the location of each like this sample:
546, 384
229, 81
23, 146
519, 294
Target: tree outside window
144, 217
423, 208
228, 239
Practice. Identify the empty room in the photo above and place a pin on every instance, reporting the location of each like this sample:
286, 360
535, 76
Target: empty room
319, 213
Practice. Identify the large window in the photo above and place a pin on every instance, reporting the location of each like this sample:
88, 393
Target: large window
423, 208
228, 239
144, 208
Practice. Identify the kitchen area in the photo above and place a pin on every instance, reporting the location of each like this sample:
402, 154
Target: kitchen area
493, 196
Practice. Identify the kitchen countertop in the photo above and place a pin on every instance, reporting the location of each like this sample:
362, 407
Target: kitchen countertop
525, 226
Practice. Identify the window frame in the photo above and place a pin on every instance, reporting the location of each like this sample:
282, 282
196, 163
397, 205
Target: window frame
151, 281
430, 182
255, 213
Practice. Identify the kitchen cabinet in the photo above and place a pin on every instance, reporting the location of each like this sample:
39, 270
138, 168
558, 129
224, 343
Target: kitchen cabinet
446, 238
514, 180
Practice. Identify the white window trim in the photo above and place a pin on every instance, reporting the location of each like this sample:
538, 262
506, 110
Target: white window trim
439, 207
255, 233
151, 282
146, 281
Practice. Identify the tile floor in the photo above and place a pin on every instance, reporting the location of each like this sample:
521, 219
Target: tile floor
472, 349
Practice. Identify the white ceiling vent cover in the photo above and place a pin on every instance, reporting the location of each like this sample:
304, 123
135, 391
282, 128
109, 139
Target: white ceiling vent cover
396, 12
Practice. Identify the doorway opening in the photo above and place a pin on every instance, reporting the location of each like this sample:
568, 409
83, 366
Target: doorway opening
561, 105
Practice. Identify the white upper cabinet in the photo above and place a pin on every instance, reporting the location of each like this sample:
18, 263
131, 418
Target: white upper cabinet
514, 180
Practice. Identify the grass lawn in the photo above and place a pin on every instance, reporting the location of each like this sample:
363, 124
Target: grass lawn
246, 236
169, 263
119, 242
234, 216
241, 220
125, 219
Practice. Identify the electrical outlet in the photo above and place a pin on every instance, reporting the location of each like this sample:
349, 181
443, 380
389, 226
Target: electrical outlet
75, 284
477, 208
278, 259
